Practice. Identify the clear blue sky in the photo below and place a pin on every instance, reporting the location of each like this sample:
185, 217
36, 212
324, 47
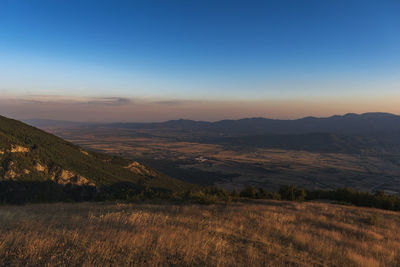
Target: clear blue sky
220, 50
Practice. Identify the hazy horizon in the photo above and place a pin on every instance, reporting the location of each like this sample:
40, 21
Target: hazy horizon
113, 109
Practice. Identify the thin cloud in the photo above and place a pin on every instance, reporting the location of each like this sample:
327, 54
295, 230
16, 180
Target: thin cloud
54, 99
175, 102
110, 101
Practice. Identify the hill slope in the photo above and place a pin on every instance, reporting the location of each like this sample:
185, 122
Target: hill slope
30, 154
265, 233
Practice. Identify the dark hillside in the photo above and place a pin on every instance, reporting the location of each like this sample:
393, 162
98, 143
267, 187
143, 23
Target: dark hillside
30, 154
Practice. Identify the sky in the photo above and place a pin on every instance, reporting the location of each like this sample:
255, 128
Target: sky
205, 60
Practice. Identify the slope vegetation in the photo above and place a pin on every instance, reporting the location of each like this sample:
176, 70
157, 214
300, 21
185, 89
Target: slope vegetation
30, 154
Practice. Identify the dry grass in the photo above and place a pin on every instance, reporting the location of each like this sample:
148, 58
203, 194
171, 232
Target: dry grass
267, 233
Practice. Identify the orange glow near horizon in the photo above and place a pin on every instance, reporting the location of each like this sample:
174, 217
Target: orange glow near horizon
140, 110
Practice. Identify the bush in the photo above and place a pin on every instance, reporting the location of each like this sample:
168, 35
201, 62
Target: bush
290, 192
249, 192
201, 197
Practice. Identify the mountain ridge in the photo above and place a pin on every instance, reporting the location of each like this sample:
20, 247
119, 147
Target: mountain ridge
350, 123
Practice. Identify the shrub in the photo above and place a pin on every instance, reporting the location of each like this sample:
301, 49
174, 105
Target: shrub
290, 192
201, 197
250, 192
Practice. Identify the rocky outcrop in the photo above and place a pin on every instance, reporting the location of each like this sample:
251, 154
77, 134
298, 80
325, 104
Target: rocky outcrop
58, 175
18, 149
84, 152
68, 177
12, 172
14, 149
140, 169
39, 167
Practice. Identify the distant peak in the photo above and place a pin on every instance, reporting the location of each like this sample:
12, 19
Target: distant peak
370, 115
352, 115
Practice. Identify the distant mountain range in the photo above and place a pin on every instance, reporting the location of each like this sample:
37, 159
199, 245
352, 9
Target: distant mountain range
350, 133
367, 123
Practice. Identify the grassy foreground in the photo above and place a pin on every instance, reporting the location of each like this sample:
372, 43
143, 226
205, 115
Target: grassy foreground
265, 233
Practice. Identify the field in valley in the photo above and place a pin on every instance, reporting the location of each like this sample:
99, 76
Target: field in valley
265, 233
234, 166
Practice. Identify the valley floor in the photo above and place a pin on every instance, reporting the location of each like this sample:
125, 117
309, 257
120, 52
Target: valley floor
264, 233
236, 166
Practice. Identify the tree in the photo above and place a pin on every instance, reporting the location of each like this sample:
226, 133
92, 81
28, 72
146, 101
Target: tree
250, 192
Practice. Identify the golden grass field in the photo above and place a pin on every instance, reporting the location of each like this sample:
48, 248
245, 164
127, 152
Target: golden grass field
265, 233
